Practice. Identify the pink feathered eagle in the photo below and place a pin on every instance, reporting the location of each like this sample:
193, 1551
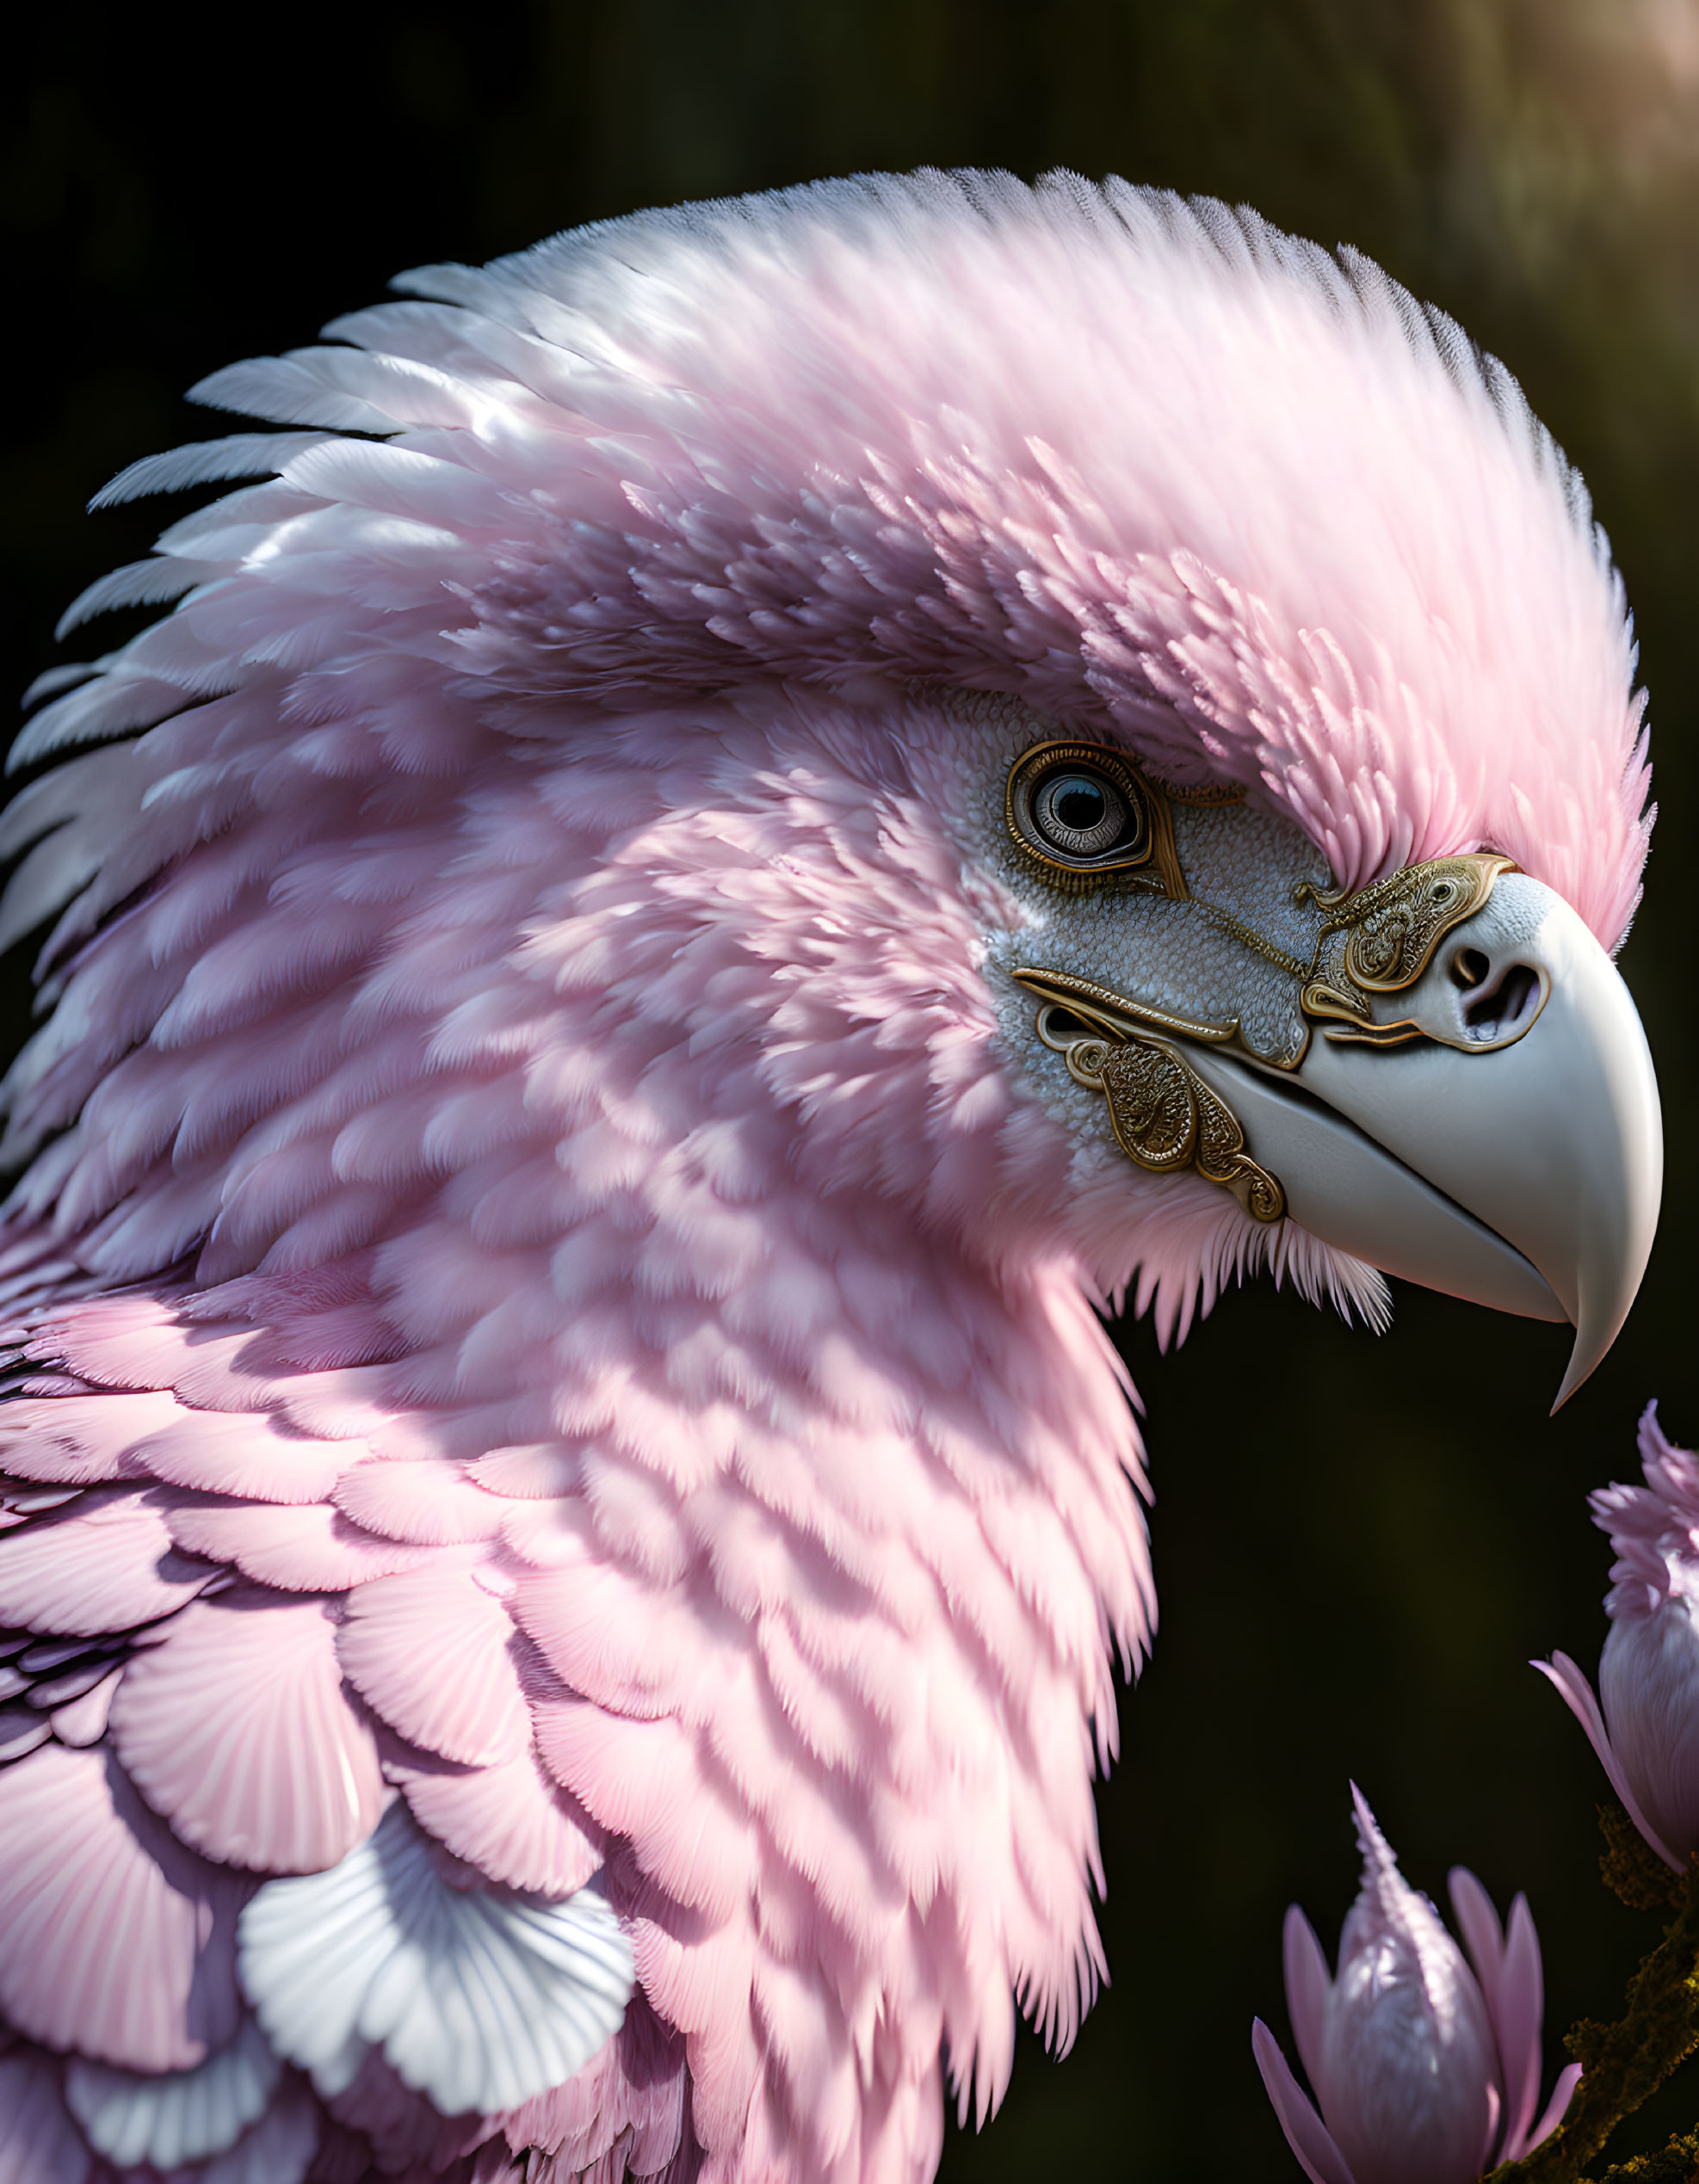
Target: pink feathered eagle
767, 806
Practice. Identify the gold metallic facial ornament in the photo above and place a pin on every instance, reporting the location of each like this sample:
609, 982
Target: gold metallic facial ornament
1378, 940
1164, 1115
1382, 938
1114, 1013
1083, 817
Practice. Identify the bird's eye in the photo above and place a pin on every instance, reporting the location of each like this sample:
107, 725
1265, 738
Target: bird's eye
1077, 812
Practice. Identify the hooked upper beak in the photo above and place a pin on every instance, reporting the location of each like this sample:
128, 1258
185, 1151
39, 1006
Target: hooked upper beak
1510, 1150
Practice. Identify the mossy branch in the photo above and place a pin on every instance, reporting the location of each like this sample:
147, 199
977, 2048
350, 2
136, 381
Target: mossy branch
1631, 1868
1675, 2164
1624, 2064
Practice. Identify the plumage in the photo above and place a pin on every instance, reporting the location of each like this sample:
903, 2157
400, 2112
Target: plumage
234, 1724
430, 1651
545, 1252
39, 2143
481, 1998
178, 2116
508, 1820
279, 2149
120, 1941
104, 1563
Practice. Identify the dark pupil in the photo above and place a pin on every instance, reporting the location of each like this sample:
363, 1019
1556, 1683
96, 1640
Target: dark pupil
1079, 805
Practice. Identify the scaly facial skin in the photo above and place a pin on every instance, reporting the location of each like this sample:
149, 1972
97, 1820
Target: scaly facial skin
1443, 1075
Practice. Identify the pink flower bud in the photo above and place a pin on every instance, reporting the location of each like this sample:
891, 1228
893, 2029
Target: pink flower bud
1426, 2072
1647, 1735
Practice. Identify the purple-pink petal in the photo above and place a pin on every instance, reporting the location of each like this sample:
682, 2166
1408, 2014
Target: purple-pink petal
1568, 2078
1507, 1968
1577, 1694
1306, 2133
1495, 2109
1517, 2021
1483, 1937
1308, 1983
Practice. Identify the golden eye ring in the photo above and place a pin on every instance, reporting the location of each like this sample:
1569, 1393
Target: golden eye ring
1077, 813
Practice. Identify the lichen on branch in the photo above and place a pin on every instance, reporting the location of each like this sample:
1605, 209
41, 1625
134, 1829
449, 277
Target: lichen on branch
1624, 2063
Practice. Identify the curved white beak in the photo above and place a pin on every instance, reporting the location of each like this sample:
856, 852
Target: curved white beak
1512, 1154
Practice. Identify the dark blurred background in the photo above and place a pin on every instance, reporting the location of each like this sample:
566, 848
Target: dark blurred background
1358, 1542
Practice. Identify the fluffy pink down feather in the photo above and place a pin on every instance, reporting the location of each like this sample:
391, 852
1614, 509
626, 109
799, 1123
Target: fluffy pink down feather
539, 1292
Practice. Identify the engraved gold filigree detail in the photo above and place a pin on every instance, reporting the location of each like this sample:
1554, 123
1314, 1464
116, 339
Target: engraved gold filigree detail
1114, 1012
1164, 1115
1248, 937
1380, 940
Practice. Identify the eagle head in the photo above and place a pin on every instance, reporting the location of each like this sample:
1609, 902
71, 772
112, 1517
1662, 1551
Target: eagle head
762, 808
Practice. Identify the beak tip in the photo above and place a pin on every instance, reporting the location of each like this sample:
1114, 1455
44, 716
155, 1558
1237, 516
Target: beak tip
1588, 1354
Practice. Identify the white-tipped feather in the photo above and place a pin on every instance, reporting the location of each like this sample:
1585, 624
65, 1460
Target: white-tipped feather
175, 2116
120, 701
289, 390
479, 1998
52, 681
202, 461
277, 2150
345, 388
140, 583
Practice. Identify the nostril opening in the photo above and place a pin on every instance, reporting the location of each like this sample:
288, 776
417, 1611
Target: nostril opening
1469, 968
1514, 995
